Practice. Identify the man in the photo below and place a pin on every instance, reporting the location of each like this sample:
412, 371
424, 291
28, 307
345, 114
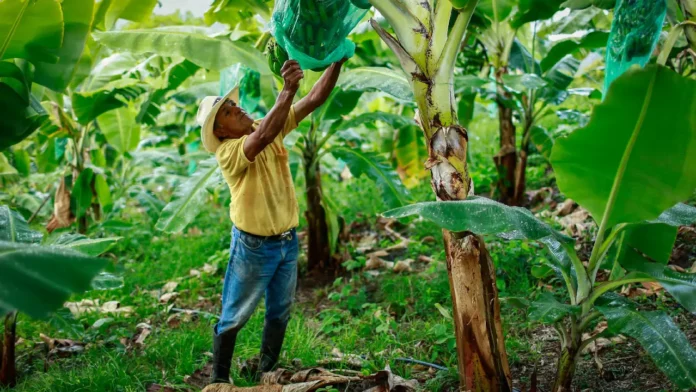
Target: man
264, 249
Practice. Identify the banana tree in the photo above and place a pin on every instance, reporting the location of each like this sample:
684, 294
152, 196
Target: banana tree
38, 279
501, 24
80, 89
427, 50
637, 222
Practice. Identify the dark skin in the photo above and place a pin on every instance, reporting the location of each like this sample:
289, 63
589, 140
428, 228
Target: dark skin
232, 122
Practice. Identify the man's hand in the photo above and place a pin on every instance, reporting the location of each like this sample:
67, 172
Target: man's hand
320, 92
292, 74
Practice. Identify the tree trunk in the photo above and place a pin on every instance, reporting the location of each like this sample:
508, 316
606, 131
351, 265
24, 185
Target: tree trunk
8, 372
506, 159
566, 368
483, 364
480, 343
318, 250
520, 179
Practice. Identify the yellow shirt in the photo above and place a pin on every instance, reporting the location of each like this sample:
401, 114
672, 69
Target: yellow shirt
263, 195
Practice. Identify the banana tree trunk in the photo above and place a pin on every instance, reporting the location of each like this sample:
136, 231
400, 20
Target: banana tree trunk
506, 159
318, 250
427, 50
483, 364
566, 366
8, 371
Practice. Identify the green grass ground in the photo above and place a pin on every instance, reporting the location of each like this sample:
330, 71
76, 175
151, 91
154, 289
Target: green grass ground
379, 317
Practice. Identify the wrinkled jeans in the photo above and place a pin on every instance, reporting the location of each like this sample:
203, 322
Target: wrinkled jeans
258, 266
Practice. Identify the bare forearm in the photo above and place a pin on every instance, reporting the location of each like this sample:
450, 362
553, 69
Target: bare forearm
321, 91
274, 122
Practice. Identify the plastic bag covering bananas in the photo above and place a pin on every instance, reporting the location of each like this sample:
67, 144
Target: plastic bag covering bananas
634, 33
314, 32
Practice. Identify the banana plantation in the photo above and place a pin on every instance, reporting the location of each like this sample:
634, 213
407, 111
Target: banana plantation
348, 195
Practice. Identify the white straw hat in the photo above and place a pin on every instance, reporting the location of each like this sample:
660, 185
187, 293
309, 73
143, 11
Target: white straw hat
206, 118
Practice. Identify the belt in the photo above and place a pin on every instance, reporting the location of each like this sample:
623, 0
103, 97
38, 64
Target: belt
287, 235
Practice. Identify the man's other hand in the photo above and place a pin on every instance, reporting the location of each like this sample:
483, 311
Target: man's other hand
292, 74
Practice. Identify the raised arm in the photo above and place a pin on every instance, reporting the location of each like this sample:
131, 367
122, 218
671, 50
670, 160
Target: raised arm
320, 92
274, 121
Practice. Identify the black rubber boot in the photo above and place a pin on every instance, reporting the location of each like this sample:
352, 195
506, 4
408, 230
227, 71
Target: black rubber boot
272, 343
223, 348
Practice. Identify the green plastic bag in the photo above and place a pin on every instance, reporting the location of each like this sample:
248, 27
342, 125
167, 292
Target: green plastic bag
314, 32
249, 82
634, 34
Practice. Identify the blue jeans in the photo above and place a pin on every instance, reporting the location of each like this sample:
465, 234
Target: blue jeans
258, 266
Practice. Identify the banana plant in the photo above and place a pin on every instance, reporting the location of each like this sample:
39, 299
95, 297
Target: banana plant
502, 24
427, 49
37, 279
632, 184
82, 88
329, 135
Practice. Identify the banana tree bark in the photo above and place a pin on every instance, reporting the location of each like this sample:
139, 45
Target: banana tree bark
8, 371
566, 366
427, 49
319, 259
506, 159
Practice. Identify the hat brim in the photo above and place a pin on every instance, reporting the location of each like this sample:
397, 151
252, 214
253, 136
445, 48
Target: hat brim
210, 141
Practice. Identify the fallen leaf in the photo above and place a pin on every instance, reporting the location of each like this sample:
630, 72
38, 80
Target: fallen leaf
366, 243
160, 388
677, 268
425, 259
63, 348
201, 377
101, 322
403, 266
566, 207
170, 287
209, 269
195, 273
652, 287
374, 263
378, 253
165, 298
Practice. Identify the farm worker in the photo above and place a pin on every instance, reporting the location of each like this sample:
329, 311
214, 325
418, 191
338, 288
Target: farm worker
264, 210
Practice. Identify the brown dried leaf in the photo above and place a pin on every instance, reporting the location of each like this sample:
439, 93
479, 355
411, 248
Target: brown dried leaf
209, 269
428, 240
425, 259
62, 216
652, 287
566, 207
403, 266
162, 388
165, 298
169, 287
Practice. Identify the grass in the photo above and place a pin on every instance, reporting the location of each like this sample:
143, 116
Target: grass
380, 318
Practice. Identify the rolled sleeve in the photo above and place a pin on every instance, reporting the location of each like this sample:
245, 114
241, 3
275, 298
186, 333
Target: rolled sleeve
290, 123
231, 158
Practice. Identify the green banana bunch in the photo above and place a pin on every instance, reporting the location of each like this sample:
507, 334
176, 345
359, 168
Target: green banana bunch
277, 56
